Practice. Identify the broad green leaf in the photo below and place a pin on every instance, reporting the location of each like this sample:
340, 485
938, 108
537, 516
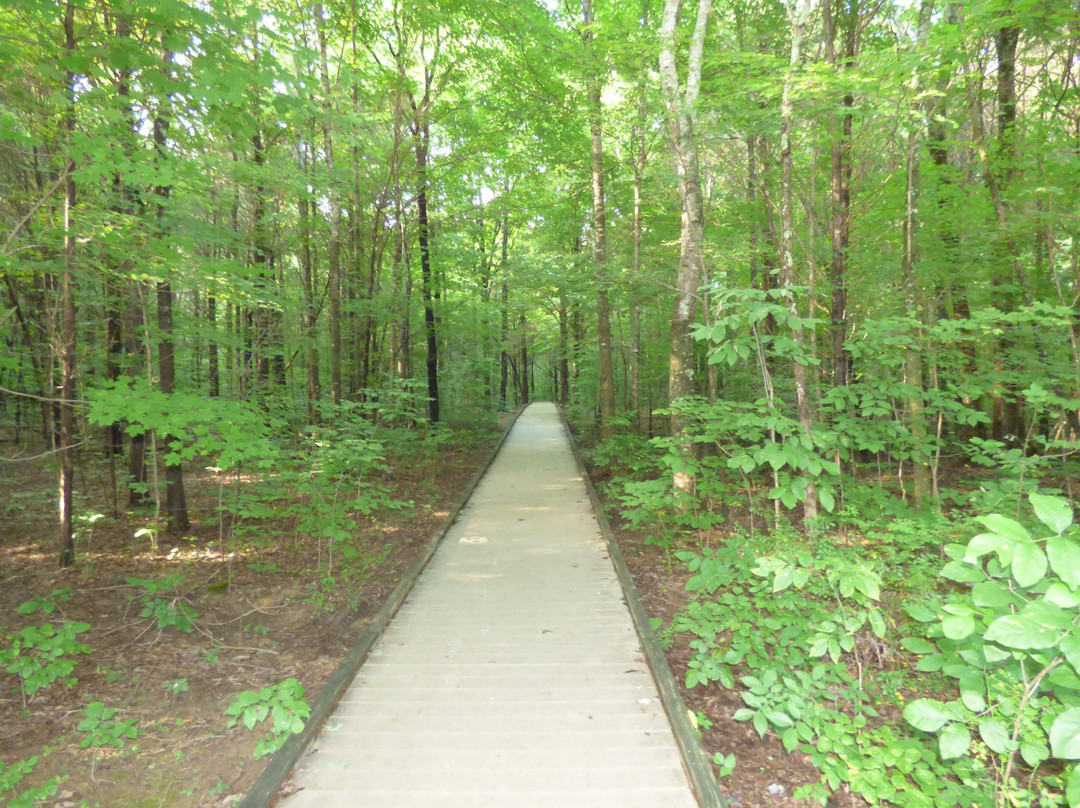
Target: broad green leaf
994, 735
1029, 563
828, 502
994, 595
962, 573
926, 714
1060, 595
1034, 753
780, 719
954, 741
783, 578
1070, 646
917, 645
982, 544
920, 612
973, 691
1065, 735
1039, 625
790, 739
1072, 787
1064, 555
1004, 526
957, 627
1054, 512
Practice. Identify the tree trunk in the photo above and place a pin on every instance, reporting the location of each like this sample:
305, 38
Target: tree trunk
603, 308
787, 238
913, 369
68, 334
175, 500
421, 135
640, 418
841, 188
334, 249
311, 307
680, 120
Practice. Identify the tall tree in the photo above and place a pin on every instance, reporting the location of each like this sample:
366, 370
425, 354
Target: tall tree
680, 101
67, 343
605, 366
175, 499
799, 18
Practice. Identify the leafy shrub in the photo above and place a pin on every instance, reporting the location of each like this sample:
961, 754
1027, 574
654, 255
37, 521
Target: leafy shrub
282, 703
1009, 640
102, 727
40, 655
173, 611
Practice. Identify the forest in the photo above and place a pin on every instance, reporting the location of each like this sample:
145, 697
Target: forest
804, 276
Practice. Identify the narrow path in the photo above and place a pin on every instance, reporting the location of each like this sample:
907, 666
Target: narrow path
512, 675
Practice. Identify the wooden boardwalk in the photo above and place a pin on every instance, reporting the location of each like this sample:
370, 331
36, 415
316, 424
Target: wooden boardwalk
512, 675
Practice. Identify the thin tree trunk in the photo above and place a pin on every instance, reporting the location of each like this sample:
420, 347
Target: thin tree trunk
680, 119
421, 134
799, 20
175, 500
334, 248
841, 188
640, 417
603, 307
913, 369
311, 313
67, 358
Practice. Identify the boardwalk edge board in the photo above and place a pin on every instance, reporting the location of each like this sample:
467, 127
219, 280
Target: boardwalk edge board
699, 769
265, 791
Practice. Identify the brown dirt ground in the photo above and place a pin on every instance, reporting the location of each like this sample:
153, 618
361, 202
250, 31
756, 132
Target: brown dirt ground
264, 615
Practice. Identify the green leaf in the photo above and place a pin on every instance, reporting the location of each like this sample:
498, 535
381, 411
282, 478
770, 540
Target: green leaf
1070, 646
780, 719
917, 645
954, 741
1072, 787
982, 544
926, 714
1054, 512
973, 691
962, 573
744, 714
1060, 595
1004, 526
1034, 753
828, 502
761, 724
1064, 556
994, 735
1065, 735
790, 739
957, 627
994, 595
1029, 563
920, 613
1021, 631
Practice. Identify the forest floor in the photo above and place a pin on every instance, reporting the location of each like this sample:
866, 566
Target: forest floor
263, 610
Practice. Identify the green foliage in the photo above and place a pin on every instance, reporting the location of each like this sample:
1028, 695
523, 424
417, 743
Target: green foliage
232, 433
282, 703
172, 611
103, 728
40, 655
46, 604
11, 776
1009, 643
